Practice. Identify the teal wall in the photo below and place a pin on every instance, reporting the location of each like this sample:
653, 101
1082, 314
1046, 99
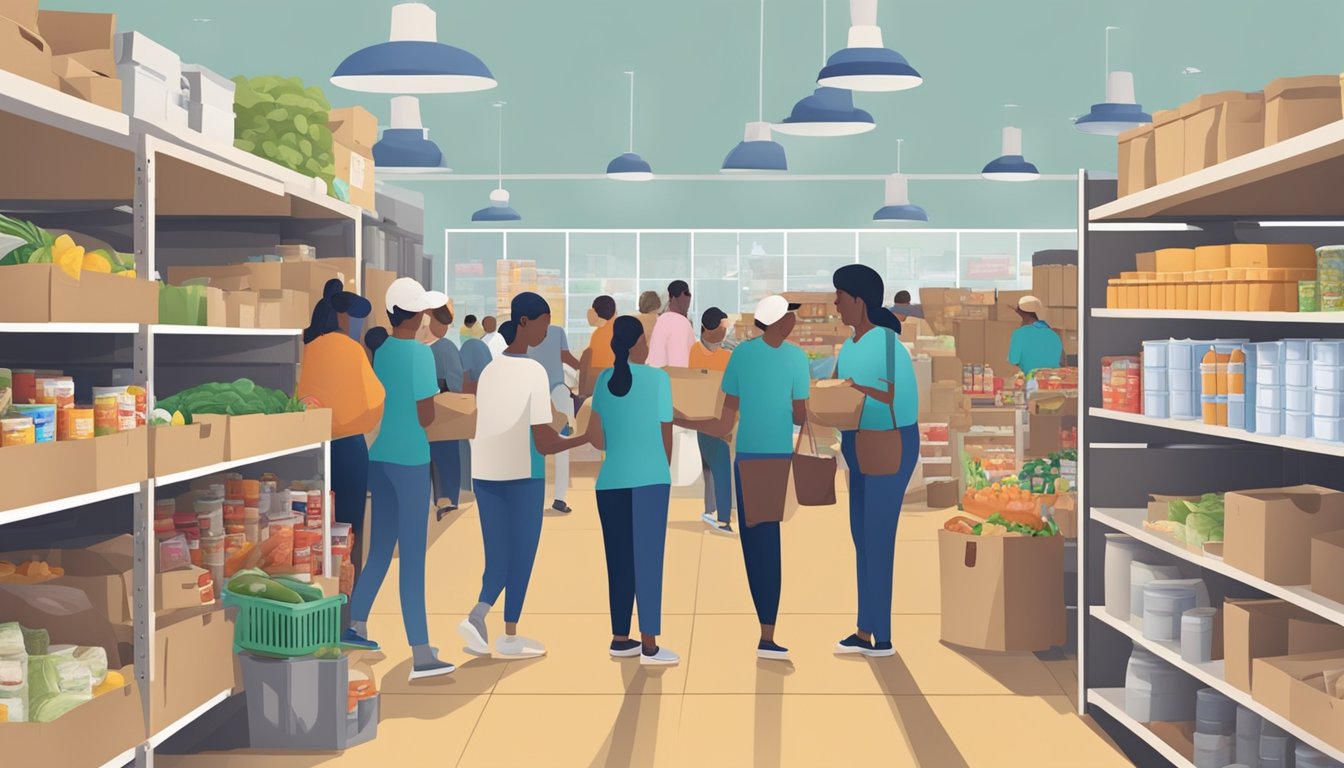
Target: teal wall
560, 69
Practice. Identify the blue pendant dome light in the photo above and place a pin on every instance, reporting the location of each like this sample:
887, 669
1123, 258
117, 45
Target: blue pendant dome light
1010, 165
413, 60
630, 166
865, 65
757, 152
896, 203
828, 111
406, 144
1120, 111
499, 208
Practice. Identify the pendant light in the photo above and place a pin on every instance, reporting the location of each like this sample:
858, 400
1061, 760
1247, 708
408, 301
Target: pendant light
499, 208
1120, 111
865, 65
406, 144
630, 166
828, 111
896, 205
413, 60
757, 152
1011, 165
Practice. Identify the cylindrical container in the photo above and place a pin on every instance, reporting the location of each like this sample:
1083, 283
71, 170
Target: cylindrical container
298, 502
1248, 736
233, 487
212, 549
252, 524
126, 418
210, 516
1120, 552
233, 542
1307, 756
44, 420
1215, 713
1155, 690
1236, 372
1139, 576
304, 539
1212, 750
1209, 410
164, 528
1162, 611
215, 490
1208, 373
251, 492
75, 424
234, 512
1276, 747
1197, 635
104, 415
17, 431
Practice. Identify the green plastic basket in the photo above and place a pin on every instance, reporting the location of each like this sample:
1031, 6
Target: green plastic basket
285, 630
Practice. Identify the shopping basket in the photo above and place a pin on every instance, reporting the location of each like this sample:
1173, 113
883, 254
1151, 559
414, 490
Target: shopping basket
285, 630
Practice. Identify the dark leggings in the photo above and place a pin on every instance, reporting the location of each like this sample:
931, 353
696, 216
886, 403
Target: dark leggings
760, 550
350, 483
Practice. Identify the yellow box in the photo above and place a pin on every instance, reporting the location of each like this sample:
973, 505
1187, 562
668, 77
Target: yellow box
1156, 292
1216, 297
1191, 296
1212, 257
1112, 295
1129, 293
1205, 301
1181, 295
1243, 297
1276, 256
1143, 296
1175, 260
1229, 291
1172, 300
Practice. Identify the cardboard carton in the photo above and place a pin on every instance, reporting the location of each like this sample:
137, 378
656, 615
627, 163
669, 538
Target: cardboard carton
24, 12
184, 677
283, 309
1295, 687
945, 397
309, 277
1254, 629
240, 309
355, 166
998, 338
946, 369
25, 53
354, 127
1145, 262
71, 31
1137, 161
1169, 145
33, 474
346, 266
834, 405
970, 336
95, 89
1065, 510
216, 311
40, 293
1327, 565
176, 590
94, 733
296, 252
1268, 532
697, 393
178, 449
1176, 260
942, 494
120, 459
1000, 593
260, 434
1272, 256
454, 417
1230, 120
1296, 105
376, 283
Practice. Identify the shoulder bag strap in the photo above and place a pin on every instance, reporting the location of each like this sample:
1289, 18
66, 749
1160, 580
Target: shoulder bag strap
892, 340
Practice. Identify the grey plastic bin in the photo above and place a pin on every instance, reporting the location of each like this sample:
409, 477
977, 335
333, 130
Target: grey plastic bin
301, 704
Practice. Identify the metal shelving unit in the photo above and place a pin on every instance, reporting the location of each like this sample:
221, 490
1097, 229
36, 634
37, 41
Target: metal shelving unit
139, 185
1282, 193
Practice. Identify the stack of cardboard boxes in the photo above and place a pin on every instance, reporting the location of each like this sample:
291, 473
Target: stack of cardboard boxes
69, 51
514, 276
264, 294
354, 131
819, 331
1056, 285
1242, 277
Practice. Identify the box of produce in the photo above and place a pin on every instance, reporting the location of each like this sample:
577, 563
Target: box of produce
254, 420
49, 277
1268, 532
193, 652
1306, 688
1000, 586
1190, 520
85, 732
178, 448
1254, 629
32, 474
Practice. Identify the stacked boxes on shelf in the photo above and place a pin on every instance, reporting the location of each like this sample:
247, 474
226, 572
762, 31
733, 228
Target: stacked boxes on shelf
1054, 280
1121, 388
81, 46
1222, 373
209, 102
1241, 277
514, 276
354, 131
256, 294
819, 331
1327, 391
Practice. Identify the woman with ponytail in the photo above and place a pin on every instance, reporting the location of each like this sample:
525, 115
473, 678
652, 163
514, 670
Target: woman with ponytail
508, 469
877, 364
632, 422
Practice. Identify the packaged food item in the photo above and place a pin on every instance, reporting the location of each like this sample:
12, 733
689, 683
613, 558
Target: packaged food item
141, 404
233, 543
303, 546
165, 508
59, 392
106, 420
252, 524
6, 389
1308, 296
174, 553
233, 516
44, 420
210, 516
298, 501
17, 431
25, 385
1208, 370
278, 549
212, 549
126, 417
163, 527
315, 506
251, 493
233, 487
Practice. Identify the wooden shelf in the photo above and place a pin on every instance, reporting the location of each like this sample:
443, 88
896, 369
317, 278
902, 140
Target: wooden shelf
1303, 444
1236, 317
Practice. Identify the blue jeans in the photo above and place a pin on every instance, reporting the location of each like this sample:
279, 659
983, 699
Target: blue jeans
874, 512
511, 529
400, 498
634, 532
350, 483
760, 550
718, 460
446, 457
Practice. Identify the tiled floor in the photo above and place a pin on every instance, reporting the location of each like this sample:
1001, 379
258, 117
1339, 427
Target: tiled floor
930, 705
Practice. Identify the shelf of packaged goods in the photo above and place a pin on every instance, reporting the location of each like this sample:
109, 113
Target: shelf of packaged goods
69, 502
207, 330
1210, 674
122, 328
1291, 179
171, 730
1307, 318
1112, 702
50, 107
1199, 428
1130, 521
227, 465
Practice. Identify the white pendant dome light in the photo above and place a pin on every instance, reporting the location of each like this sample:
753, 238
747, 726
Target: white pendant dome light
499, 208
1120, 111
828, 111
1011, 165
413, 60
896, 204
865, 65
757, 152
630, 166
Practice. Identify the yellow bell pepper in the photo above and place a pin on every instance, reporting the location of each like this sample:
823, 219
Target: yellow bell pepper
68, 256
97, 262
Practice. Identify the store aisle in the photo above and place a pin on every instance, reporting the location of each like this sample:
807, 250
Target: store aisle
929, 705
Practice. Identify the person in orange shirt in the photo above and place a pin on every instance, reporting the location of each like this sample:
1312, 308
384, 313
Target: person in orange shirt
335, 373
598, 357
715, 455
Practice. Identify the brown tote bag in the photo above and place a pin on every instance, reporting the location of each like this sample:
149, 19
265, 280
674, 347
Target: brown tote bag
813, 475
879, 450
765, 488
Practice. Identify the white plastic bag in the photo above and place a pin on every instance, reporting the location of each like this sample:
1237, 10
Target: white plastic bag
685, 457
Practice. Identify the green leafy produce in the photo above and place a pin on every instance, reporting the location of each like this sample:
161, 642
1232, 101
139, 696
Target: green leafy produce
1049, 529
36, 641
308, 592
328, 652
263, 587
35, 241
1200, 528
48, 699
1210, 504
280, 119
236, 398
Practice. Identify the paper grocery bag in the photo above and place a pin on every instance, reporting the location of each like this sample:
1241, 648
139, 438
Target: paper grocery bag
1002, 593
697, 393
454, 418
833, 403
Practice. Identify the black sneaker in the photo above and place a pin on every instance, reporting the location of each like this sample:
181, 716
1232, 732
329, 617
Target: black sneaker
625, 649
443, 512
561, 507
879, 650
770, 650
854, 644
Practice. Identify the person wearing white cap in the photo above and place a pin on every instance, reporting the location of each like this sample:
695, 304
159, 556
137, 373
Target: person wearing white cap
1034, 345
399, 473
765, 390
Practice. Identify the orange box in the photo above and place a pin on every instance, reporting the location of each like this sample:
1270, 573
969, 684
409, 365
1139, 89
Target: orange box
1242, 302
1275, 256
1169, 145
1229, 291
1213, 257
1175, 259
1137, 162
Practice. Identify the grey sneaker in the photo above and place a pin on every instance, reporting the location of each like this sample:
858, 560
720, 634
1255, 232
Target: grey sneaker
435, 668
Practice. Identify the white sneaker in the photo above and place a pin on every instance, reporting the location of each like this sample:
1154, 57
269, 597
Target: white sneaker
710, 519
476, 644
663, 658
519, 647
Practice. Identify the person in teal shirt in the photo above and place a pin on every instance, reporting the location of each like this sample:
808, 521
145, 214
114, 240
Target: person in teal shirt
765, 391
1034, 345
632, 423
876, 363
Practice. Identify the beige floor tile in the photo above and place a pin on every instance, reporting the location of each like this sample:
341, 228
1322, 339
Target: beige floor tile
1065, 672
577, 659
1030, 732
939, 669
570, 574
578, 731
392, 667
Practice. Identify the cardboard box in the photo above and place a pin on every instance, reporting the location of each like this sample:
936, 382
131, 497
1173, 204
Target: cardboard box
120, 459
998, 338
346, 266
22, 11
354, 127
1175, 260
1327, 565
1000, 593
259, 434
193, 654
946, 369
1212, 257
945, 397
240, 309
33, 474
216, 311
1070, 339
1044, 435
1268, 532
25, 53
283, 309
1256, 629
697, 393
838, 406
376, 283
454, 417
40, 293
1065, 511
1272, 256
1294, 687
970, 336
1222, 125
1296, 105
1137, 161
1169, 145
176, 590
178, 449
94, 733
296, 252
356, 167
309, 277
72, 32
95, 89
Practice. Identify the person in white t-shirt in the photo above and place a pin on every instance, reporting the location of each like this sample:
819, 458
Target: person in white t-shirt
673, 334
492, 338
513, 434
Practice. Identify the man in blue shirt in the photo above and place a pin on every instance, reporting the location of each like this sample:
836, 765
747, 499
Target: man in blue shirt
1035, 345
